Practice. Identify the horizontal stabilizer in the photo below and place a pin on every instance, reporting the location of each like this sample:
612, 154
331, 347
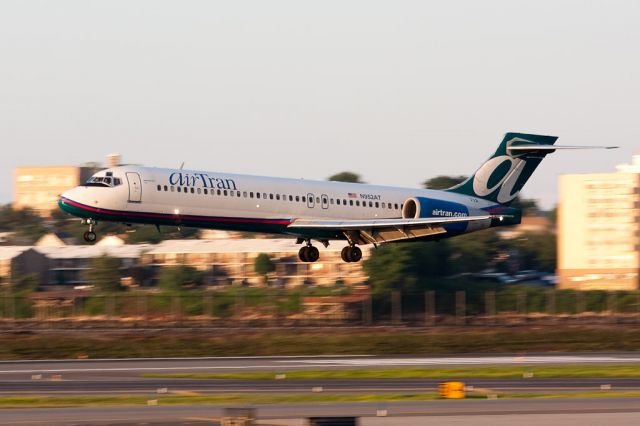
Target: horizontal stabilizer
554, 147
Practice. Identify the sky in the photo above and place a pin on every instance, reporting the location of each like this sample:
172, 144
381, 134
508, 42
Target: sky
397, 91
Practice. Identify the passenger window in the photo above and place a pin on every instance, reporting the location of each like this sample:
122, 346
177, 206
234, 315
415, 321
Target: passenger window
199, 191
317, 200
331, 201
159, 188
225, 192
257, 195
290, 197
166, 188
264, 195
193, 190
219, 192
206, 192
277, 196
370, 203
172, 189
251, 195
297, 198
270, 196
350, 202
244, 194
304, 199
357, 203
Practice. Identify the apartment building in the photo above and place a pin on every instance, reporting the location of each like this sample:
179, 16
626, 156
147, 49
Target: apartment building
599, 230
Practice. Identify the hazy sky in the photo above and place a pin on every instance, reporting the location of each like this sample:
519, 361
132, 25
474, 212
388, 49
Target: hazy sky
398, 91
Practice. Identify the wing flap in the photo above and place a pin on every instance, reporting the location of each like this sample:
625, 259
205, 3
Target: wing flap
385, 230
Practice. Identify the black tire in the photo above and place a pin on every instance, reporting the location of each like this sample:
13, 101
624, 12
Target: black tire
346, 254
356, 254
302, 254
90, 237
313, 254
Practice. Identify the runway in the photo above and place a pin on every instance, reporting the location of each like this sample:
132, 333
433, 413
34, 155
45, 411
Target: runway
124, 377
146, 386
283, 364
611, 412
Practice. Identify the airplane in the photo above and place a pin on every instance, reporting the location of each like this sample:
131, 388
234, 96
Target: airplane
313, 210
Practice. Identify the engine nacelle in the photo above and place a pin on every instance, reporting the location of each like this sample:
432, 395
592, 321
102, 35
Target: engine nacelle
421, 207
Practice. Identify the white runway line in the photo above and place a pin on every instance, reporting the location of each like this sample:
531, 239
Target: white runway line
500, 360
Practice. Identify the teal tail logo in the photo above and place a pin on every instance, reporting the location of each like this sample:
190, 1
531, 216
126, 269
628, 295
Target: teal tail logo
502, 176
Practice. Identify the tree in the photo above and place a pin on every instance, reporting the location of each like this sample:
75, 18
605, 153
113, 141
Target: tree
346, 177
263, 265
176, 278
26, 223
105, 274
443, 182
537, 250
408, 267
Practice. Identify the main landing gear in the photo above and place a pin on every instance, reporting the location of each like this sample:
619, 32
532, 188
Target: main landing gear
309, 253
90, 236
351, 254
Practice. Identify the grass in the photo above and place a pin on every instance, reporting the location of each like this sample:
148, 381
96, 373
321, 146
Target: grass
126, 400
375, 341
542, 371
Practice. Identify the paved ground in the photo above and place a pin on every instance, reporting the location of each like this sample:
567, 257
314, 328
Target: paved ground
123, 377
225, 364
611, 412
143, 386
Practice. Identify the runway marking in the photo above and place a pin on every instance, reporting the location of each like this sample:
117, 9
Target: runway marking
468, 361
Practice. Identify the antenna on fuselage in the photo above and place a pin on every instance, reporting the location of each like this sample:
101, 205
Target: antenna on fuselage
181, 165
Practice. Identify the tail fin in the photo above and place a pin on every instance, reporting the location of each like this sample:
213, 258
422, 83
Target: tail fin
502, 176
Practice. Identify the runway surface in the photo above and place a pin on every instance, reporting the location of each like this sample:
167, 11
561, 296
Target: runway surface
283, 364
611, 412
145, 386
123, 377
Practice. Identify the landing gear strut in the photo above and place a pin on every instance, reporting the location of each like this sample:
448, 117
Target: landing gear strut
309, 253
351, 254
90, 236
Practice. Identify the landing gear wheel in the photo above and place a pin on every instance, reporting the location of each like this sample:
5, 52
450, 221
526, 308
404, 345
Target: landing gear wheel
313, 254
346, 254
309, 254
90, 236
302, 254
356, 254
351, 254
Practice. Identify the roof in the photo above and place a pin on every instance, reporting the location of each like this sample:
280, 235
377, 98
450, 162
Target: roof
9, 252
253, 245
87, 252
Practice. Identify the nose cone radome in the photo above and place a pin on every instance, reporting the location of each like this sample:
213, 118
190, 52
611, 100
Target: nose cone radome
72, 202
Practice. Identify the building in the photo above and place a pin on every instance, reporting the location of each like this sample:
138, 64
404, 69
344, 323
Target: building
38, 188
599, 230
232, 261
68, 265
18, 261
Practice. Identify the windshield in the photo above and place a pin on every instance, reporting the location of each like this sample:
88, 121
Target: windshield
104, 181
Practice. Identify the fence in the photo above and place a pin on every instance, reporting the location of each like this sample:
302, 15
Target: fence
269, 309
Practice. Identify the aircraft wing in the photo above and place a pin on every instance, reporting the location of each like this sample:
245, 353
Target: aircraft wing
383, 230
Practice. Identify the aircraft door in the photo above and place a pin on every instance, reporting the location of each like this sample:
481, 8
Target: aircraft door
310, 201
135, 187
325, 201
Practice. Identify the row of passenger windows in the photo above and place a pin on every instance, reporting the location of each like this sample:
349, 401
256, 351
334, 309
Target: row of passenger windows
283, 197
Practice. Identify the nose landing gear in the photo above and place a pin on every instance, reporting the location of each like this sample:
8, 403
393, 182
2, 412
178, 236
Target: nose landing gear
90, 236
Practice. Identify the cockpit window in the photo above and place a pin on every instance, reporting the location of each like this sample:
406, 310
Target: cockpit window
107, 182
